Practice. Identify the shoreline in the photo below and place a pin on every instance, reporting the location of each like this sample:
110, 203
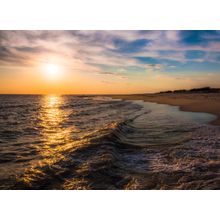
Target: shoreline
192, 102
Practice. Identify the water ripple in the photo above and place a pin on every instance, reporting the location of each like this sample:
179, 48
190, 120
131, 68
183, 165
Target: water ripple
83, 142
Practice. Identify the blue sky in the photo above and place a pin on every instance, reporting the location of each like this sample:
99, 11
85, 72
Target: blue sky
192, 58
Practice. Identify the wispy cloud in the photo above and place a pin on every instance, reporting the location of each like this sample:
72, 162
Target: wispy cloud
114, 53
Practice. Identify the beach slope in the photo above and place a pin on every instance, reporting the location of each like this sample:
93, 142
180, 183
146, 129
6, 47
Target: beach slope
193, 102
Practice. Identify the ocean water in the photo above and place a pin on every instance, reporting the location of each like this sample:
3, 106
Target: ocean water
94, 142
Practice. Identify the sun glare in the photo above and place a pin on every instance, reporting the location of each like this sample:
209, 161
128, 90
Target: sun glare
52, 71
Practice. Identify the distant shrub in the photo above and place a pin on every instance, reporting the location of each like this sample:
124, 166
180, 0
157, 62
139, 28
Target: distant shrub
194, 90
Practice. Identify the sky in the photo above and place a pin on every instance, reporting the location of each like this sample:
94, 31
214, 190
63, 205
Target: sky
107, 62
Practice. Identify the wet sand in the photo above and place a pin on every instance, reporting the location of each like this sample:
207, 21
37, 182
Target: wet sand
193, 102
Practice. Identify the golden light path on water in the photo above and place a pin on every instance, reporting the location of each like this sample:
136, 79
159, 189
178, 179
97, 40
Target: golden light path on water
60, 140
56, 137
59, 143
52, 117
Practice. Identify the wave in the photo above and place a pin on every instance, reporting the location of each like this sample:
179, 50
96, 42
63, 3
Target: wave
111, 162
141, 149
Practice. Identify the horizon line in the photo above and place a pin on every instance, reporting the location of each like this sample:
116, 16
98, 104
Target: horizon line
93, 94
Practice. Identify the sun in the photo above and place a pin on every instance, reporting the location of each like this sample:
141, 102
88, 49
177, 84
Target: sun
52, 71
52, 68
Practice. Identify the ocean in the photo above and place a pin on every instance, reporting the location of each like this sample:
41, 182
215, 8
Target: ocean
96, 142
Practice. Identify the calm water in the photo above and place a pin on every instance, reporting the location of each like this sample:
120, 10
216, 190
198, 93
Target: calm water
79, 142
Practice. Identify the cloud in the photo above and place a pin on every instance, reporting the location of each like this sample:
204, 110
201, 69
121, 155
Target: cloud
115, 74
10, 56
124, 46
130, 51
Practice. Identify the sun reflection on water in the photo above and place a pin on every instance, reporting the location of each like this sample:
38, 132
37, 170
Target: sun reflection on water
55, 135
59, 139
53, 119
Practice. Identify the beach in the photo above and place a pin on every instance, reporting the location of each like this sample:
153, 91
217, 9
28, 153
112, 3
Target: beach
193, 102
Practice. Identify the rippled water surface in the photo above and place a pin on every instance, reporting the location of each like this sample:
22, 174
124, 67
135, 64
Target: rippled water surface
94, 142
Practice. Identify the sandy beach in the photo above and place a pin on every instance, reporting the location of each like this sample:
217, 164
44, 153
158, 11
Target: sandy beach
194, 102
